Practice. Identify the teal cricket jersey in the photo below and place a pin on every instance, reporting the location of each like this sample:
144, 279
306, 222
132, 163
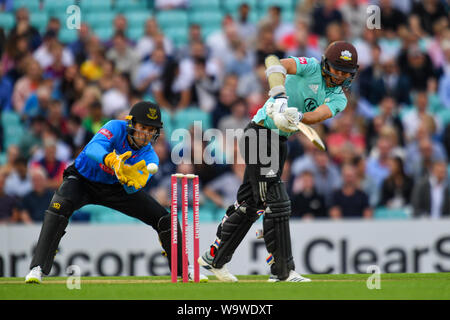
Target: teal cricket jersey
306, 90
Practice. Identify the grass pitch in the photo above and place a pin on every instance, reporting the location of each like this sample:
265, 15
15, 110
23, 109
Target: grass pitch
405, 286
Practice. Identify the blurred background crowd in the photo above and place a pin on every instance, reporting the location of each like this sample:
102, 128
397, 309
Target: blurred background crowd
387, 153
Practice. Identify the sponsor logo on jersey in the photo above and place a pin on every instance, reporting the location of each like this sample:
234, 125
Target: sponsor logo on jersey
56, 205
302, 60
310, 104
314, 87
106, 169
106, 133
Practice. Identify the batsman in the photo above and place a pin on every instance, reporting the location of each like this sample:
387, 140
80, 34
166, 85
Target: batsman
301, 90
110, 171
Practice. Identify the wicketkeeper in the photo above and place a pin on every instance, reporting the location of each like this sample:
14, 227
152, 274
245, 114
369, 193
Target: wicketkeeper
301, 89
110, 171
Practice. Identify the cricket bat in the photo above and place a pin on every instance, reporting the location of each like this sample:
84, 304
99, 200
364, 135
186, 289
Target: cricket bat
312, 135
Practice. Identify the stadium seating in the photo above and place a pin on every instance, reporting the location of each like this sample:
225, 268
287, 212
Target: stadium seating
53, 7
185, 118
129, 5
232, 6
31, 5
39, 20
137, 19
174, 18
95, 6
204, 5
12, 128
209, 19
99, 19
67, 35
385, 213
6, 20
101, 214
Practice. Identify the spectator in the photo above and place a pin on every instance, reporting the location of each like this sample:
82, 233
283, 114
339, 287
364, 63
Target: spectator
53, 25
280, 28
105, 82
325, 14
12, 154
76, 136
219, 43
306, 202
35, 202
397, 187
116, 100
241, 60
300, 42
354, 13
96, 119
266, 44
90, 95
431, 194
47, 53
227, 95
366, 182
23, 27
55, 117
53, 167
92, 67
79, 47
30, 142
419, 114
170, 4
125, 58
172, 90
428, 12
146, 44
388, 116
18, 182
27, 84
222, 190
420, 163
37, 103
346, 140
9, 208
16, 48
5, 92
326, 174
391, 18
247, 29
349, 201
71, 87
444, 81
150, 71
377, 164
417, 65
204, 87
238, 119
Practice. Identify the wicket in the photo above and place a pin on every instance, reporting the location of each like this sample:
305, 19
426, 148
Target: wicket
174, 225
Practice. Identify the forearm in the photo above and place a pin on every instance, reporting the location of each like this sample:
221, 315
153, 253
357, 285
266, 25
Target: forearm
96, 152
313, 117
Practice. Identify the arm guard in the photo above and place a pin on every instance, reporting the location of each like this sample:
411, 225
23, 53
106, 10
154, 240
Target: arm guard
276, 75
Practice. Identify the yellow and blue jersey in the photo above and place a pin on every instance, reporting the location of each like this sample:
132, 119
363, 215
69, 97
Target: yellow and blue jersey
112, 136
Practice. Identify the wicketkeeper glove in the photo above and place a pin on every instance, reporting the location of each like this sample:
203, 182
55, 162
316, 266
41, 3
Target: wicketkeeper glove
136, 174
117, 162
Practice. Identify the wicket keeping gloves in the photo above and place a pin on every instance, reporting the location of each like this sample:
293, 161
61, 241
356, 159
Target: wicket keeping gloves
117, 163
137, 174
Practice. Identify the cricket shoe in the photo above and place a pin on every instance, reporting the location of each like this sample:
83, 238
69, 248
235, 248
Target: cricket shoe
34, 276
222, 274
203, 278
293, 277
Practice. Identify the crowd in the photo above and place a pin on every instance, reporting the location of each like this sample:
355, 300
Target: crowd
387, 153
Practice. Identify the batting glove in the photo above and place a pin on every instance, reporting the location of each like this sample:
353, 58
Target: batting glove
279, 105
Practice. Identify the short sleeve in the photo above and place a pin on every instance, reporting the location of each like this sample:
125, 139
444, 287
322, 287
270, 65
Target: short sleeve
336, 103
305, 66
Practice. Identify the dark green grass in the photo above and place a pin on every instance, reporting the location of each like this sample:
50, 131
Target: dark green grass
434, 286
